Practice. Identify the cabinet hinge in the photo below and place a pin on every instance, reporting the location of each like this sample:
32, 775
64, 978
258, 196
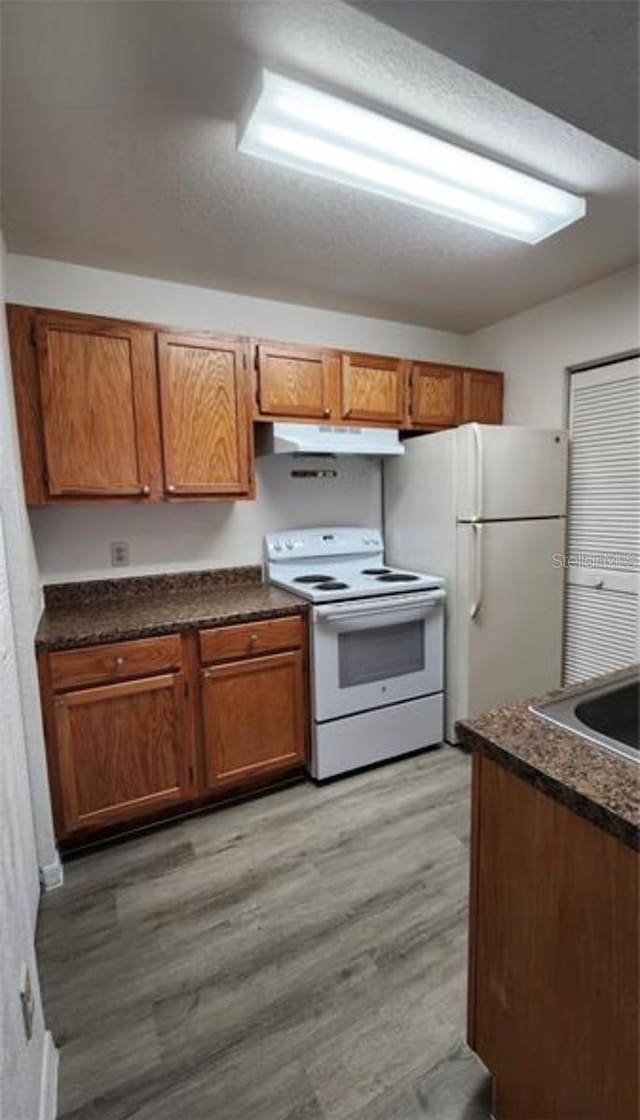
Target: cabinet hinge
33, 337
191, 775
186, 688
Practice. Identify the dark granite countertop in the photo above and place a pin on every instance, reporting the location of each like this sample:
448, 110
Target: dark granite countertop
599, 785
84, 614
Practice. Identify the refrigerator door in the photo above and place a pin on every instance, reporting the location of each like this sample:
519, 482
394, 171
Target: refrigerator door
506, 472
506, 640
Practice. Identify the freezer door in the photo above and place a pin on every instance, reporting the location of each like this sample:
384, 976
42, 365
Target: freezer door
510, 471
506, 643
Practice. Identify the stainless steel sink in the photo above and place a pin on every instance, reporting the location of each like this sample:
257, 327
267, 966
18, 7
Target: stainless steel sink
606, 715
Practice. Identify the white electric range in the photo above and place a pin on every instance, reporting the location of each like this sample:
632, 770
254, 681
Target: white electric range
376, 649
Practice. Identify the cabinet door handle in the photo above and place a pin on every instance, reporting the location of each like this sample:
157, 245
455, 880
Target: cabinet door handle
146, 490
171, 488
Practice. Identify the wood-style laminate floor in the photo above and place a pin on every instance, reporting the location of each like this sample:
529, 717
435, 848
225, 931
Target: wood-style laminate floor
298, 957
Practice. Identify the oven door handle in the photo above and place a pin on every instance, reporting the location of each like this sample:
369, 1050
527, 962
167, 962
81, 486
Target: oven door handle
418, 606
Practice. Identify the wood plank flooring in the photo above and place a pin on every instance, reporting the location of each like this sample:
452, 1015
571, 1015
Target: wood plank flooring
298, 957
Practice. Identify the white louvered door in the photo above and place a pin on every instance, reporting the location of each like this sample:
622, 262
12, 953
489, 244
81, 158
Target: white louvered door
602, 623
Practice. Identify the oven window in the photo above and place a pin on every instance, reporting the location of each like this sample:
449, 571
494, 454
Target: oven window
365, 656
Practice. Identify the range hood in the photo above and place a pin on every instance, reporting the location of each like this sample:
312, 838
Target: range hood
326, 439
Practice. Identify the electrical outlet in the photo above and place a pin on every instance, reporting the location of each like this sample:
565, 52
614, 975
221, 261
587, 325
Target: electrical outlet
26, 1001
119, 554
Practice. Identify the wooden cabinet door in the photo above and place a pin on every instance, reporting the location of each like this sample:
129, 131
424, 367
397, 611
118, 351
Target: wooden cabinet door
123, 750
554, 979
436, 395
373, 388
99, 412
481, 396
205, 415
294, 381
253, 716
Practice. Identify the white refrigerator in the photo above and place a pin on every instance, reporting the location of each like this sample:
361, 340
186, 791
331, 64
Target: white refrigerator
485, 505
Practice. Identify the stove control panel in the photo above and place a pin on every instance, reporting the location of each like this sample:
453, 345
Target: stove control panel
303, 544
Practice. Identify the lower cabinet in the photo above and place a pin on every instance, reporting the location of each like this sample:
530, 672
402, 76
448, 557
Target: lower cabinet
554, 976
136, 729
253, 717
121, 750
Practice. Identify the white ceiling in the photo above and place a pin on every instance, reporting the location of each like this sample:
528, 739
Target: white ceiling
577, 60
119, 152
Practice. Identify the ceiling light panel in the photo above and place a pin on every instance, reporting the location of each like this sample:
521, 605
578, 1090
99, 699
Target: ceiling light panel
291, 124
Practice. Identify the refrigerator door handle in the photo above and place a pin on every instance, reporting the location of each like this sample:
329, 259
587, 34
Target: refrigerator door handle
479, 473
477, 571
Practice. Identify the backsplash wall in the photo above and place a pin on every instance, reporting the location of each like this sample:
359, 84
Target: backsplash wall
74, 543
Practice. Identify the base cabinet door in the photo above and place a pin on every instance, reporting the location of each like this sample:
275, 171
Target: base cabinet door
554, 976
253, 717
122, 750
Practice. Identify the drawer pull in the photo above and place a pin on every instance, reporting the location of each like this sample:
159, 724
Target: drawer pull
119, 662
253, 639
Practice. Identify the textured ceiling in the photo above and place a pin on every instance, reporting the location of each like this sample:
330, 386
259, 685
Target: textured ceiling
577, 60
119, 152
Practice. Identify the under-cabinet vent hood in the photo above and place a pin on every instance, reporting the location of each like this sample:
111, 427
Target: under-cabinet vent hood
326, 439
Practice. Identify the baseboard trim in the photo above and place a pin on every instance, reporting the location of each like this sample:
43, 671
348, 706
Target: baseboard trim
48, 1080
52, 875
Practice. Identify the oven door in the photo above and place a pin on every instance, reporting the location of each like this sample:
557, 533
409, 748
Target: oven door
369, 653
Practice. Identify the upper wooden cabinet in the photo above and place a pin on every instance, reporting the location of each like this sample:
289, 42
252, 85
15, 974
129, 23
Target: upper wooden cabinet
436, 395
481, 396
124, 411
111, 410
204, 409
373, 389
99, 416
294, 381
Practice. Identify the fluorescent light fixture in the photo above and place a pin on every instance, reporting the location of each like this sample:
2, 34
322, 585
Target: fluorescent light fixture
291, 124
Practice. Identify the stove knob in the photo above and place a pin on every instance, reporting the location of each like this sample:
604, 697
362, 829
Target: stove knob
277, 547
288, 544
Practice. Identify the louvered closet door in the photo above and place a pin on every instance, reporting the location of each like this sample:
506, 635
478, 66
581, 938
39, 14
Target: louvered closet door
602, 620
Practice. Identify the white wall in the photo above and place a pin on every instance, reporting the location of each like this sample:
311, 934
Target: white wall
534, 348
70, 287
22, 1062
74, 543
26, 606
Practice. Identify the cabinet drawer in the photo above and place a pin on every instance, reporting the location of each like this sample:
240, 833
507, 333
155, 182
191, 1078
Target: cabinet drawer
74, 667
228, 642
